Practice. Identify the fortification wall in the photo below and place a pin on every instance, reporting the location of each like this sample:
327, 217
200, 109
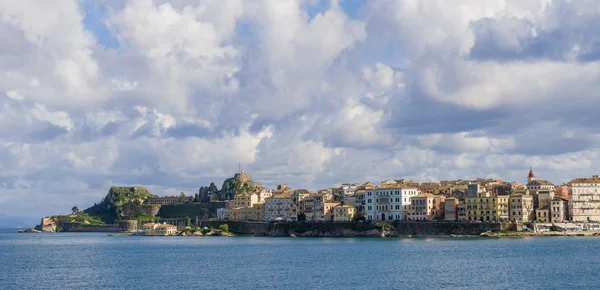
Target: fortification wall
68, 227
355, 229
202, 210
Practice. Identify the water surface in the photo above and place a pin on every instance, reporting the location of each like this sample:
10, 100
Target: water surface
96, 261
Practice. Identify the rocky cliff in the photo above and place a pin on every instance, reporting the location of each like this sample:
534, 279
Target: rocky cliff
122, 203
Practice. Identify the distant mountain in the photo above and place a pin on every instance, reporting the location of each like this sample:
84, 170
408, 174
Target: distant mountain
15, 222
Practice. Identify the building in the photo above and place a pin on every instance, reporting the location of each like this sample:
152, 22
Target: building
223, 213
561, 190
149, 228
157, 229
439, 202
244, 200
421, 207
559, 209
533, 184
584, 199
451, 209
389, 202
264, 193
359, 202
254, 213
485, 207
298, 197
344, 213
544, 196
543, 214
278, 207
348, 189
327, 214
165, 229
313, 207
521, 207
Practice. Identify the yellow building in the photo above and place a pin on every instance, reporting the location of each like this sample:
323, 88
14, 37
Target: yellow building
327, 214
485, 207
149, 228
521, 207
343, 213
254, 213
543, 214
163, 229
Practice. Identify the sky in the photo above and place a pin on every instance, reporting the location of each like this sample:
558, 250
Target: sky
175, 94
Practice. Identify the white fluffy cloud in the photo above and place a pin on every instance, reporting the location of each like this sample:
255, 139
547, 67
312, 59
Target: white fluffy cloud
427, 90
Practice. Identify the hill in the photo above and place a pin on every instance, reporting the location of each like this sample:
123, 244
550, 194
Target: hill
122, 203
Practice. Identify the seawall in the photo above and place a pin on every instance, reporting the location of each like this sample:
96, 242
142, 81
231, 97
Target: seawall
355, 229
121, 226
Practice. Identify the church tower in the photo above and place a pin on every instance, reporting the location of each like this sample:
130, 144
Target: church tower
531, 176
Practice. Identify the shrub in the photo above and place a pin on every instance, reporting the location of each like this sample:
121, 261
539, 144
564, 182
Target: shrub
224, 227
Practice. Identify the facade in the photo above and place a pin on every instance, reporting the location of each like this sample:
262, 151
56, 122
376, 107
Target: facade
223, 213
421, 207
278, 207
359, 202
328, 206
544, 196
244, 200
343, 213
521, 207
584, 199
313, 207
348, 189
451, 209
254, 213
485, 207
559, 209
165, 229
389, 202
157, 229
543, 214
149, 228
264, 193
298, 197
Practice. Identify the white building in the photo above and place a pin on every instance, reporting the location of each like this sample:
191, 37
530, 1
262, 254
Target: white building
388, 202
264, 193
533, 184
584, 199
223, 213
559, 209
348, 189
278, 207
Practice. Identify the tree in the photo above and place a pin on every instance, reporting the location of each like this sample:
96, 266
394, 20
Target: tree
75, 209
188, 221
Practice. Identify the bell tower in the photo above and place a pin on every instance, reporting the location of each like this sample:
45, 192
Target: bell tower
531, 176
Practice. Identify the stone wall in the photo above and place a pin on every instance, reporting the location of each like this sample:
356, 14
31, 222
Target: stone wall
68, 227
202, 210
355, 229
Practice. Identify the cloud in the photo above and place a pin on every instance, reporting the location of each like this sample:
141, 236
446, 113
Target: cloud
175, 94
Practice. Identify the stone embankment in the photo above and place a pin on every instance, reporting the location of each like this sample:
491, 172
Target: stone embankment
355, 229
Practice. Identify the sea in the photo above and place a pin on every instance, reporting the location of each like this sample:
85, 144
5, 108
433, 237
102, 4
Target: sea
99, 261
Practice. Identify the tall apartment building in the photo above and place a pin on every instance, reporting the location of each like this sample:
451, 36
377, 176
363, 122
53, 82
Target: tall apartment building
389, 202
584, 199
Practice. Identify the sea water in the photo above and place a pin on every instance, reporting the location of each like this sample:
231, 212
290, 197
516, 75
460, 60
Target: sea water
97, 261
